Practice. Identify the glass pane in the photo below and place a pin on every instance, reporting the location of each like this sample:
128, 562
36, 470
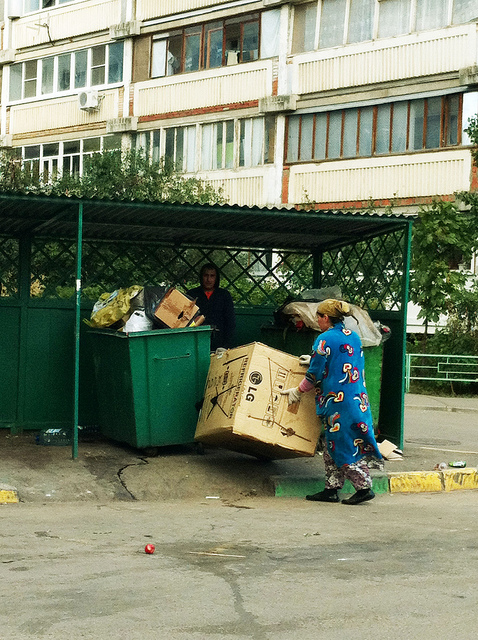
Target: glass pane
250, 41
158, 59
393, 18
174, 55
112, 143
81, 60
217, 159
382, 135
399, 127
30, 76
245, 143
32, 152
306, 137
293, 139
47, 75
51, 149
169, 150
31, 5
432, 140
91, 144
97, 76
320, 136
453, 107
192, 49
431, 14
191, 149
305, 18
206, 146
233, 35
361, 20
417, 109
16, 81
270, 32
269, 138
156, 146
72, 146
98, 55
213, 48
332, 23
75, 165
115, 62
64, 72
257, 140
179, 148
335, 134
350, 133
365, 134
464, 10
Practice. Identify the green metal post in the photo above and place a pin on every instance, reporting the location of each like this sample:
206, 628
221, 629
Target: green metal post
316, 270
79, 250
407, 257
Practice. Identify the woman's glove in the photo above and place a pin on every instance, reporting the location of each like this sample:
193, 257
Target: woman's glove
294, 394
304, 361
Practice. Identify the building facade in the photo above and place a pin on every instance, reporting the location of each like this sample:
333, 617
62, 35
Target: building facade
335, 102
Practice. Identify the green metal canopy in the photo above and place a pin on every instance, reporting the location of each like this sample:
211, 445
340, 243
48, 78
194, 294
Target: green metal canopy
189, 224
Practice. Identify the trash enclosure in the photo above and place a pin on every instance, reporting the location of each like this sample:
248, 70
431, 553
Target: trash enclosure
58, 254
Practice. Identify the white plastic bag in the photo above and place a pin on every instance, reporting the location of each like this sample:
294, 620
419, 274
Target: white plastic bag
138, 321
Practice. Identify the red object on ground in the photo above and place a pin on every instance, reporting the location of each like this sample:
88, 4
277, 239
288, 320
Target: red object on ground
149, 548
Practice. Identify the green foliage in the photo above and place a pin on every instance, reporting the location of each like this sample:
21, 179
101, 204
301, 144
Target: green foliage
443, 236
117, 174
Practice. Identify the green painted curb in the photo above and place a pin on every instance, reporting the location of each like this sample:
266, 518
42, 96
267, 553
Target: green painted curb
297, 487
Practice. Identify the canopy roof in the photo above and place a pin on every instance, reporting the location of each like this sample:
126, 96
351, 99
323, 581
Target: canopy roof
190, 224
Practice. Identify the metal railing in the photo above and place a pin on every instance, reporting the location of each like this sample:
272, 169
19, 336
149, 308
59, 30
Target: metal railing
440, 368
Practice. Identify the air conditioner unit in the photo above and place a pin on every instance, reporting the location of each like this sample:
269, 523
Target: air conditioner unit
88, 100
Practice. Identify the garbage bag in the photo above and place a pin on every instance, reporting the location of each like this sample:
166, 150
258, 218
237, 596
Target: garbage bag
112, 307
138, 321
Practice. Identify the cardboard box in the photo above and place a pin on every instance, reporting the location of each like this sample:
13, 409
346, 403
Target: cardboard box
176, 310
244, 411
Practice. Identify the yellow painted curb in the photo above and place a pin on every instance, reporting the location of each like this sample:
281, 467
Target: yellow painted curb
8, 496
454, 479
415, 481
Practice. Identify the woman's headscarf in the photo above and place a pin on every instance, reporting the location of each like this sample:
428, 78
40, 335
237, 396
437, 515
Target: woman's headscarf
334, 308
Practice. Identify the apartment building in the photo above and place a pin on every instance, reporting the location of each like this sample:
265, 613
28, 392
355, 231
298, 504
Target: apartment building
336, 102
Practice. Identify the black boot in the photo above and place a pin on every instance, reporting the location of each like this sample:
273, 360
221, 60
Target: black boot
327, 495
362, 495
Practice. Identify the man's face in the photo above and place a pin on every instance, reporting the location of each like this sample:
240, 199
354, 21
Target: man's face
208, 279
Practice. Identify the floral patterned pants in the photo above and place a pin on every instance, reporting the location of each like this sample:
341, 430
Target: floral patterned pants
358, 474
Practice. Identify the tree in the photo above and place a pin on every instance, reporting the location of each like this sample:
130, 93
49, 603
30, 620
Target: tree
443, 237
126, 174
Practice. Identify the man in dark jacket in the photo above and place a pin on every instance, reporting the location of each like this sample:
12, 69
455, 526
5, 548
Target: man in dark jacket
216, 305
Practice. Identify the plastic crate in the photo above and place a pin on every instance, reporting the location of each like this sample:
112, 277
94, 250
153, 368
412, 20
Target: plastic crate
54, 438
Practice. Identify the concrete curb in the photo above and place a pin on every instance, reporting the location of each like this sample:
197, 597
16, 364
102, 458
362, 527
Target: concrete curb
428, 407
391, 482
8, 494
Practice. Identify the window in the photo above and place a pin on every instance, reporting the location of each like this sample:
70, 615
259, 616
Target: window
332, 23
256, 141
464, 10
393, 18
180, 147
360, 20
303, 36
47, 160
89, 67
217, 145
431, 14
216, 44
36, 5
408, 125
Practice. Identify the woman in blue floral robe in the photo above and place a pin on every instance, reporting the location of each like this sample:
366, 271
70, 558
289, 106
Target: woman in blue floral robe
336, 372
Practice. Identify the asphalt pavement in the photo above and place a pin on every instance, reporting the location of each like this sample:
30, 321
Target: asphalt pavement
437, 430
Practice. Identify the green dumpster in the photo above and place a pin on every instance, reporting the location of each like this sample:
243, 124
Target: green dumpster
148, 383
296, 342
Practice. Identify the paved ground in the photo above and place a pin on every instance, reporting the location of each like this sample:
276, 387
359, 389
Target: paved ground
401, 567
436, 430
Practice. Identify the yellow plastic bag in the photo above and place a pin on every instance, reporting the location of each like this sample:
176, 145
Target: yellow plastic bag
112, 307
